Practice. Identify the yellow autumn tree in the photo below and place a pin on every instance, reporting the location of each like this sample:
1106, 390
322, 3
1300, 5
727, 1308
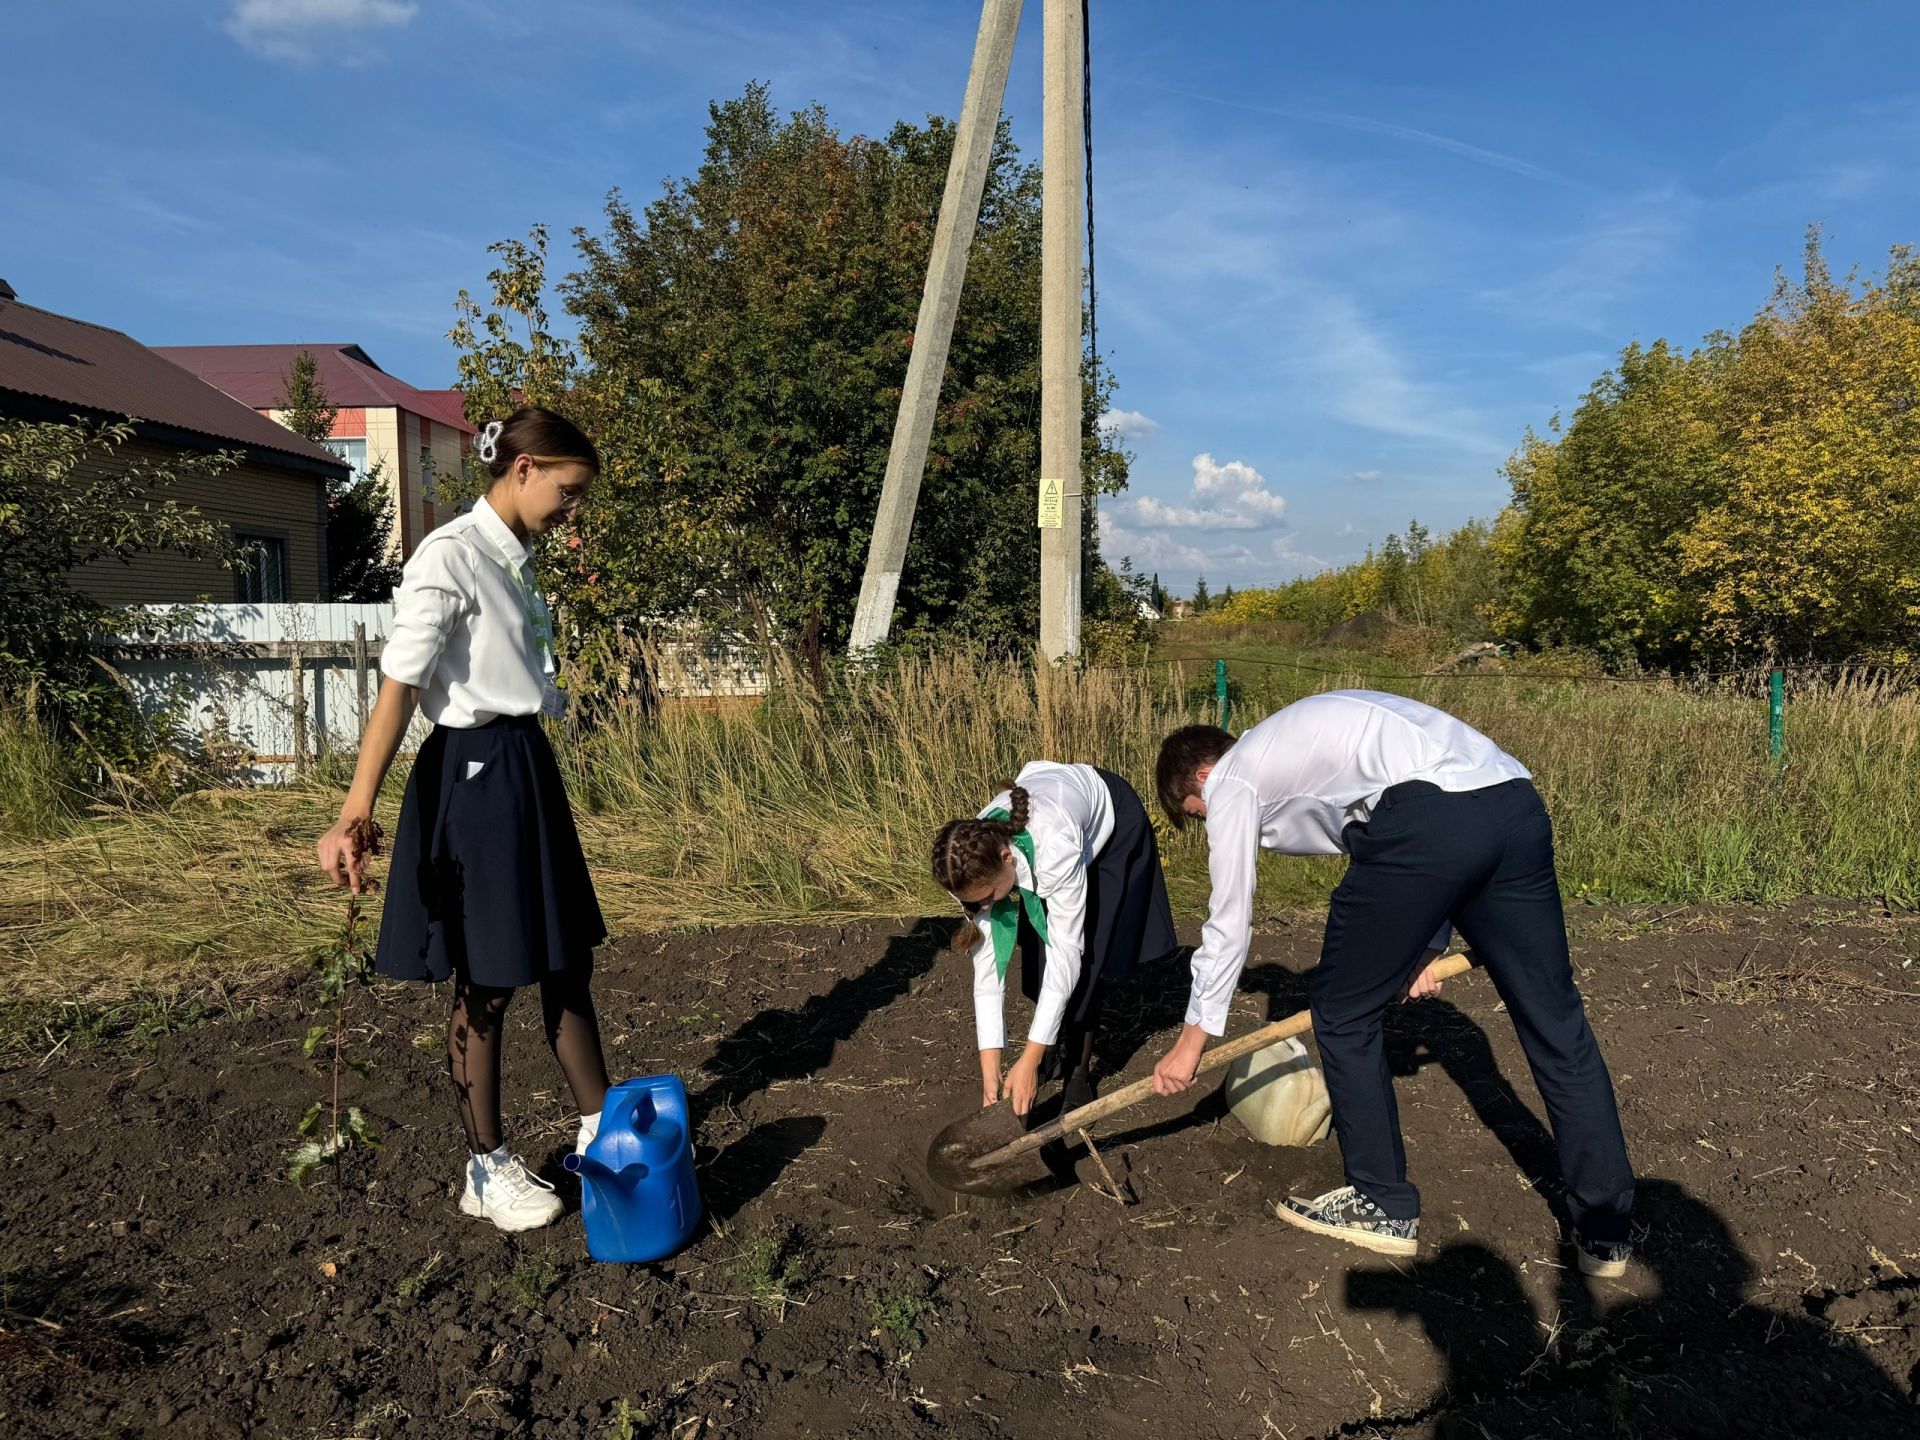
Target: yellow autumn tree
1757, 498
1813, 545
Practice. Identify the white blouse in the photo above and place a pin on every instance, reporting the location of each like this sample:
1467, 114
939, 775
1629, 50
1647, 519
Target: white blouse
1293, 782
471, 630
1070, 817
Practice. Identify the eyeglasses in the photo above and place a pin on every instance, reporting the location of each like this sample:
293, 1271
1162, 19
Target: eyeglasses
572, 498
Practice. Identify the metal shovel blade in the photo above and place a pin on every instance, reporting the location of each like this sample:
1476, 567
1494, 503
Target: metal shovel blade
954, 1156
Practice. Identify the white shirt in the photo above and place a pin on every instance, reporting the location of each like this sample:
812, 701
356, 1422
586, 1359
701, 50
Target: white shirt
1070, 817
1293, 782
471, 631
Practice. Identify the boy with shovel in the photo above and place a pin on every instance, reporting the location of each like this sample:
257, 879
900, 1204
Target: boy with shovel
1442, 828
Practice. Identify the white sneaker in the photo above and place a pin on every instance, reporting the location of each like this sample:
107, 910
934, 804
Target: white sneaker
589, 1127
501, 1188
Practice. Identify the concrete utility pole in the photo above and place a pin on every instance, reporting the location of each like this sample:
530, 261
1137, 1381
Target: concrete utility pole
933, 331
1062, 283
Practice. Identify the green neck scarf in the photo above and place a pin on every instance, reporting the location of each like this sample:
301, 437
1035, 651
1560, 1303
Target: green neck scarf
539, 620
1003, 920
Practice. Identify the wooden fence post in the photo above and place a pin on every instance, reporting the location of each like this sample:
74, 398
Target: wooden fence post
297, 674
360, 671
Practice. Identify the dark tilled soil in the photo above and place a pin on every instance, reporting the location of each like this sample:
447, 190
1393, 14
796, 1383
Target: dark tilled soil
158, 1276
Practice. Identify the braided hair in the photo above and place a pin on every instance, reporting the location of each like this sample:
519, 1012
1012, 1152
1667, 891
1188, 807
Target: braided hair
967, 853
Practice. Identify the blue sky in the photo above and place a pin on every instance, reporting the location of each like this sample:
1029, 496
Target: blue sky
1347, 253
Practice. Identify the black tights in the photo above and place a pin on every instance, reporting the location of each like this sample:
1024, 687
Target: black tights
473, 1050
1076, 1039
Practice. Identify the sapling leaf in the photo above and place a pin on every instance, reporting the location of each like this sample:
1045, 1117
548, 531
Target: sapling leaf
358, 1128
300, 1164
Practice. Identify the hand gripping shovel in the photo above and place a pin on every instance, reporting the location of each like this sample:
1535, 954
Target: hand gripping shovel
980, 1154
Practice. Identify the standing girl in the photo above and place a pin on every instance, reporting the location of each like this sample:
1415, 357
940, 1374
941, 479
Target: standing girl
1061, 866
487, 884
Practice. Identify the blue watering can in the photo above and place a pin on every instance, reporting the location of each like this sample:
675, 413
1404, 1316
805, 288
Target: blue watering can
639, 1196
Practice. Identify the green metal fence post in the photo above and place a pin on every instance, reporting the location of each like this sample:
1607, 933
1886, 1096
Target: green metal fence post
1220, 689
1777, 716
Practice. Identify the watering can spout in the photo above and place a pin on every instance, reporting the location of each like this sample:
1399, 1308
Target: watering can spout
592, 1170
598, 1172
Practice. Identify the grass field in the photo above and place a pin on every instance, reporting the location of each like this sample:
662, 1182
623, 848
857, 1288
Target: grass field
821, 807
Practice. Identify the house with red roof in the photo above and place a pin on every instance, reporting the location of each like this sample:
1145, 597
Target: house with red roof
56, 369
412, 434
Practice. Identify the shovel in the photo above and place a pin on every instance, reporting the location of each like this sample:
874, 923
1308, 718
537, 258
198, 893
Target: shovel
979, 1154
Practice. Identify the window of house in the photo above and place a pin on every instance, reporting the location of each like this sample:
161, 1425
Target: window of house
262, 577
426, 471
353, 451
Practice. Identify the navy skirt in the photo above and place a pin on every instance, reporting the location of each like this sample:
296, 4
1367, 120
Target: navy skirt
1129, 917
487, 880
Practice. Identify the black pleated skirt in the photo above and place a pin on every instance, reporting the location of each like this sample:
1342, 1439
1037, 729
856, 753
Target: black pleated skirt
1129, 917
488, 879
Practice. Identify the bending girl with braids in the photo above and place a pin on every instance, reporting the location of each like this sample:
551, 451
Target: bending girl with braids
1062, 867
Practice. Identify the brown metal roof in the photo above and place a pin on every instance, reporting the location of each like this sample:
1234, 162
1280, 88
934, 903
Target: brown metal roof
448, 406
256, 375
68, 365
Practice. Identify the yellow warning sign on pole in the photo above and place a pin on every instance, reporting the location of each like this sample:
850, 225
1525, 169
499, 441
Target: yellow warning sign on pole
1052, 507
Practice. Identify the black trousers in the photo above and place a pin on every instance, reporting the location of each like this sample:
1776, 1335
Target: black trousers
1484, 860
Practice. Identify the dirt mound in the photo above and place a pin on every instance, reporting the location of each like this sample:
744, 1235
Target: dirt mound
159, 1277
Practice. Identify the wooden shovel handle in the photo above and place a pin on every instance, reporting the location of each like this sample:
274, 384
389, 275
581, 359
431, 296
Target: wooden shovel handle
1297, 1024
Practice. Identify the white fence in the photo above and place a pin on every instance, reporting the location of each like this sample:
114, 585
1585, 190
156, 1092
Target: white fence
278, 684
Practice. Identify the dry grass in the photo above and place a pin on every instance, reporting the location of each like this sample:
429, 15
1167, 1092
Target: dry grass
212, 886
821, 807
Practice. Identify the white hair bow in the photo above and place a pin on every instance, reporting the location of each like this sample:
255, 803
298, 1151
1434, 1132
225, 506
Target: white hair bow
487, 446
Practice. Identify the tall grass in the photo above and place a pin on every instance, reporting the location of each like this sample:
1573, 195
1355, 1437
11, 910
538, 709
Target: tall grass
822, 806
41, 785
826, 804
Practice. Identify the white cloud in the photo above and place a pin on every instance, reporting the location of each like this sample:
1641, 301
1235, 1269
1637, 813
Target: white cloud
1595, 273
1128, 425
1287, 553
1148, 552
314, 29
1368, 125
1234, 496
1296, 294
1367, 477
1177, 561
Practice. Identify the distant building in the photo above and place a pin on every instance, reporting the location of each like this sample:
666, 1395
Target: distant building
54, 368
414, 434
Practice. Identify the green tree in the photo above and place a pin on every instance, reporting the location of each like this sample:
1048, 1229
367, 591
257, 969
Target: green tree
71, 496
742, 342
1202, 601
1753, 498
360, 560
1593, 551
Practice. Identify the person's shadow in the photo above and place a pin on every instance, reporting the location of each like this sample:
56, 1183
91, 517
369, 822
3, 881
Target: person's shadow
789, 1043
1698, 1358
1435, 1031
